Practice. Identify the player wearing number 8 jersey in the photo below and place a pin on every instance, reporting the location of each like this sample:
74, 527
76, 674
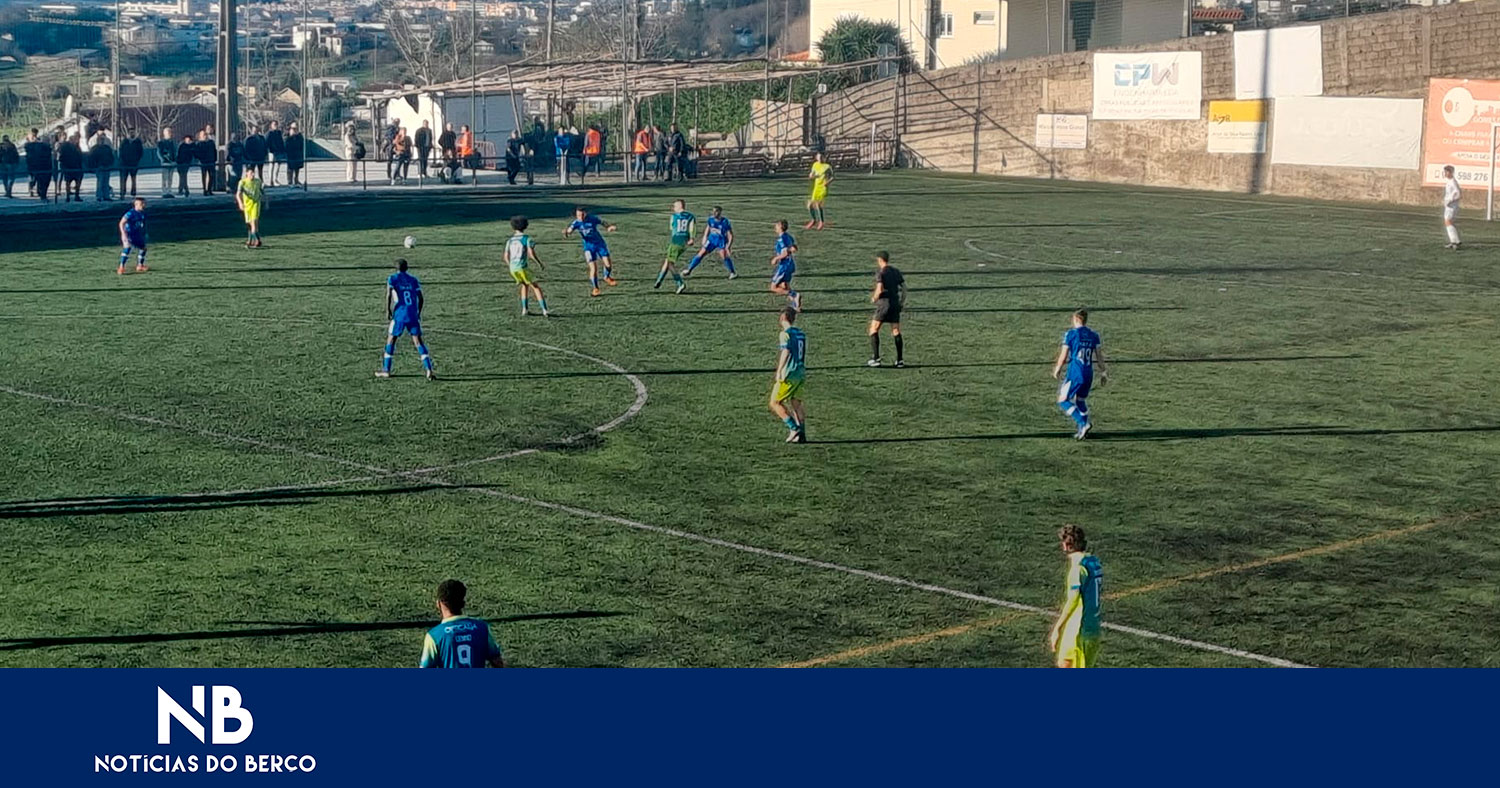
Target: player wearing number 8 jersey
404, 308
1080, 354
459, 641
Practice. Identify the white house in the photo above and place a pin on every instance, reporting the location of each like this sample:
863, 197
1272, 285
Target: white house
135, 90
492, 115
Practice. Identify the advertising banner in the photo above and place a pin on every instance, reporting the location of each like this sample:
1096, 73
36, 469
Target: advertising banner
1236, 127
1459, 115
1148, 85
1062, 131
1348, 132
1278, 63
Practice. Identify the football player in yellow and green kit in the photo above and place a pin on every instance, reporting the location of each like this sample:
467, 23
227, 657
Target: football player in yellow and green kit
820, 174
520, 253
459, 641
1075, 636
791, 372
250, 195
682, 227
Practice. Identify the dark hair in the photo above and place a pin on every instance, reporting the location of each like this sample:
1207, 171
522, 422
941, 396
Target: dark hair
1082, 315
789, 314
781, 223
519, 223
401, 264
451, 593
1071, 536
580, 209
718, 209
884, 257
141, 200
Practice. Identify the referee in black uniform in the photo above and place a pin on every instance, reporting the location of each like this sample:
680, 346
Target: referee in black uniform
888, 297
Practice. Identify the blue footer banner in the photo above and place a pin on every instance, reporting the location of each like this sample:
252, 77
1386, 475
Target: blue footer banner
715, 727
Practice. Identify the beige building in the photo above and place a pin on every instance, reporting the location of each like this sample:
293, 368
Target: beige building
945, 33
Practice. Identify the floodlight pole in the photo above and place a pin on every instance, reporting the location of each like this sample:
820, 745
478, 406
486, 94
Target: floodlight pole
114, 66
551, 20
625, 136
306, 127
1489, 197
473, 77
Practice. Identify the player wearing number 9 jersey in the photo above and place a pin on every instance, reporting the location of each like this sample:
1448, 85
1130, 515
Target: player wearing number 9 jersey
404, 308
459, 641
1080, 353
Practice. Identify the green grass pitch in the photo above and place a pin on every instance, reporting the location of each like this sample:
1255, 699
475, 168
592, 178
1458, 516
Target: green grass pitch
1285, 376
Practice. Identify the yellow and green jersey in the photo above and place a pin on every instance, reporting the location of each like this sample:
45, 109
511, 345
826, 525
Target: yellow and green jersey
251, 190
459, 642
820, 170
1081, 603
794, 342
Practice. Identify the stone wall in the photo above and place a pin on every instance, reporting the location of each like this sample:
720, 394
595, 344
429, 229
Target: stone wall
942, 114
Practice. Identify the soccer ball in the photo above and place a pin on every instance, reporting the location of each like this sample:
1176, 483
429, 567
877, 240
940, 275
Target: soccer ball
409, 242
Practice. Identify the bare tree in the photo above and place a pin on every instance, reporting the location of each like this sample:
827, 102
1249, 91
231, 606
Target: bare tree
158, 115
597, 33
436, 51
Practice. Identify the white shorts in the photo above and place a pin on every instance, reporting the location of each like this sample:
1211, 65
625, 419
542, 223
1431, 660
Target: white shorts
1450, 213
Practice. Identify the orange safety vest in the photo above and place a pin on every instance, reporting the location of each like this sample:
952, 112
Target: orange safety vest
591, 143
466, 143
642, 142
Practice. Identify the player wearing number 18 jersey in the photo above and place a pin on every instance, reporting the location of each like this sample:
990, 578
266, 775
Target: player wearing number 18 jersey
1080, 354
459, 641
681, 225
404, 308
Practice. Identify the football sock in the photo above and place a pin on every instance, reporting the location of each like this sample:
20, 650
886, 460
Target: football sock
543, 302
1078, 411
594, 281
729, 265
524, 303
660, 276
899, 346
676, 277
607, 274
426, 358
390, 353
790, 423
821, 215
693, 263
874, 346
125, 255
812, 213
1452, 234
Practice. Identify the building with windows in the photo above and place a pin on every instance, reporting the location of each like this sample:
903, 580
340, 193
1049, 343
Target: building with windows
945, 33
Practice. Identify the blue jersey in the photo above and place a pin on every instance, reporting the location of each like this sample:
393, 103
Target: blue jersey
408, 296
784, 243
718, 231
794, 342
459, 642
135, 224
588, 229
1081, 343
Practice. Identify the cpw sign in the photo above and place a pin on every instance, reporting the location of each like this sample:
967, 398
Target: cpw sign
1148, 85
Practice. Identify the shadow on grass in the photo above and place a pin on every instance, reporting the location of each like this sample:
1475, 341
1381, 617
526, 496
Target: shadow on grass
863, 310
1314, 431
275, 629
910, 367
137, 504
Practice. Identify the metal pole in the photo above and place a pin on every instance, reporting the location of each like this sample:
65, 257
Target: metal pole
114, 66
625, 144
516, 114
551, 21
305, 126
1047, 17
1489, 197
978, 111
473, 76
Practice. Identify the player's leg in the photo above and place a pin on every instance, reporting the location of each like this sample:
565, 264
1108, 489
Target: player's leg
392, 334
1450, 224
140, 259
874, 332
812, 214
525, 305
728, 263
900, 345
416, 339
609, 266
800, 415
697, 258
593, 272
1067, 402
779, 407
124, 258
541, 298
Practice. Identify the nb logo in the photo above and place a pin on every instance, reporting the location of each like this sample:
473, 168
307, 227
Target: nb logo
226, 706
1133, 74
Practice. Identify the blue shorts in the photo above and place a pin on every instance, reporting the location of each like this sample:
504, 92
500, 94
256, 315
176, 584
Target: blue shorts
783, 274
595, 252
137, 242
404, 323
711, 246
1074, 389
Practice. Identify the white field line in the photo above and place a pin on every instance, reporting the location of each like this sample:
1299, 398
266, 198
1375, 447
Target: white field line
430, 476
973, 246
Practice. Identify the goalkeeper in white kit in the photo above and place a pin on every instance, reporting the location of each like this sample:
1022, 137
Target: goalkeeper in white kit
1451, 195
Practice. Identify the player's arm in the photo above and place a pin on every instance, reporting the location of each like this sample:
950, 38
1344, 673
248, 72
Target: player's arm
728, 241
531, 252
497, 657
390, 303
429, 654
879, 288
609, 228
568, 231
1099, 362
781, 363
1062, 360
692, 230
123, 234
419, 301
